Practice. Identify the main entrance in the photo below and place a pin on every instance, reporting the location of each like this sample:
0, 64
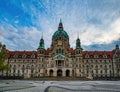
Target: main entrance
59, 73
51, 73
67, 73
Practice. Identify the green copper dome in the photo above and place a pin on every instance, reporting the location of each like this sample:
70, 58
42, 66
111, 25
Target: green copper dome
58, 32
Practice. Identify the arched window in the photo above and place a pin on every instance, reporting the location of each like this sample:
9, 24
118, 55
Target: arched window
27, 66
96, 66
110, 72
59, 50
87, 66
14, 66
91, 66
109, 66
32, 67
105, 66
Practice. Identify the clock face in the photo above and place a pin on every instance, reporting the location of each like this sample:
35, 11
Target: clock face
59, 42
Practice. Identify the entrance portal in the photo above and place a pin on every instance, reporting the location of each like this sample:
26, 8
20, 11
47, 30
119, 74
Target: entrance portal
51, 73
67, 73
59, 73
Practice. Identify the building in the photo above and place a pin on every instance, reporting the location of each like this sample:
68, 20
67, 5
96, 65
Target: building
62, 60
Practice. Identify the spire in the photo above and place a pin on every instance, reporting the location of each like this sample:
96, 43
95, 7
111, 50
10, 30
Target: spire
60, 20
60, 27
78, 44
117, 46
42, 36
41, 44
78, 35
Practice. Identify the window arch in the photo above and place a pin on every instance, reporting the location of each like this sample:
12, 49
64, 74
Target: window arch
32, 67
96, 66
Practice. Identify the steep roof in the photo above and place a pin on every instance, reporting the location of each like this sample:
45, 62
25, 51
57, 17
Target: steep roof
90, 54
19, 54
100, 54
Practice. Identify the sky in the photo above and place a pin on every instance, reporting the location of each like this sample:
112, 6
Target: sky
97, 22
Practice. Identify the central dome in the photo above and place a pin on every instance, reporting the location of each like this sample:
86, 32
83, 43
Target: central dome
60, 31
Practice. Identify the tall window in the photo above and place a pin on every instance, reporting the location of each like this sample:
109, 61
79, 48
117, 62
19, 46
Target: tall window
96, 67
100, 66
59, 63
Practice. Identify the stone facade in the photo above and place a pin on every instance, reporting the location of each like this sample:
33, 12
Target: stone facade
62, 60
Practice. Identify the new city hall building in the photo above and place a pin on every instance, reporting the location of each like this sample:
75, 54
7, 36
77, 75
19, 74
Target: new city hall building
62, 60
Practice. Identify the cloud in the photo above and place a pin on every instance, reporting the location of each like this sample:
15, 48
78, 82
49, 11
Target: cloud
24, 38
94, 35
97, 22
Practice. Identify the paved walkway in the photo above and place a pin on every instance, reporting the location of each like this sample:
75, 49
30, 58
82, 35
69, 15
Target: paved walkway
59, 86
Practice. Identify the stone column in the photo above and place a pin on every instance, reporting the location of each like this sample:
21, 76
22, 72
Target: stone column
71, 72
55, 72
63, 72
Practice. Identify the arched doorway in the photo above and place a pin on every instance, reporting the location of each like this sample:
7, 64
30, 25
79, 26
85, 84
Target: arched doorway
51, 73
59, 73
67, 73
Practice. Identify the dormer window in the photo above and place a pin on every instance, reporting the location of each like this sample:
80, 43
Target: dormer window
24, 56
108, 56
100, 56
95, 56
87, 56
104, 56
15, 56
91, 56
32, 56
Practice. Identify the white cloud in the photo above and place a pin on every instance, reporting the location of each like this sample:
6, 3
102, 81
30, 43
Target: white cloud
94, 25
24, 38
94, 35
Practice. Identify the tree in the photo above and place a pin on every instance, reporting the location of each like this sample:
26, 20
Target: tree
3, 57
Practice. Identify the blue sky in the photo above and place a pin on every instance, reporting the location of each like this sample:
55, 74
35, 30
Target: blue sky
23, 21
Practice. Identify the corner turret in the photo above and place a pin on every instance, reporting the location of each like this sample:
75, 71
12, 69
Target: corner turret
41, 44
41, 48
78, 49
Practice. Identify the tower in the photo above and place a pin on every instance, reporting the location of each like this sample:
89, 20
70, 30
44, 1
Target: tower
41, 48
60, 41
78, 49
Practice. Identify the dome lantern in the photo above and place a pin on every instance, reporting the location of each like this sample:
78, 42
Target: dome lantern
60, 27
60, 31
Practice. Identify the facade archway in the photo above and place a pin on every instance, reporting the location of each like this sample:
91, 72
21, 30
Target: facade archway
51, 73
59, 73
67, 73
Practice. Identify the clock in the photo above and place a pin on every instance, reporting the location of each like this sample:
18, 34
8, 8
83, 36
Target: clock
59, 42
